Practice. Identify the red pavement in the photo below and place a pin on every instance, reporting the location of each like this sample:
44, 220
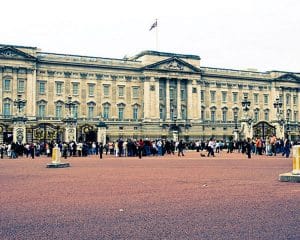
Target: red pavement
170, 197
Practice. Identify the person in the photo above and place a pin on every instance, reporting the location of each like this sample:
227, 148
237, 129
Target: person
140, 147
210, 147
31, 150
248, 148
100, 150
180, 148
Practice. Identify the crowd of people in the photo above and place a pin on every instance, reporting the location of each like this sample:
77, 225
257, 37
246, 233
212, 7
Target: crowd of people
146, 147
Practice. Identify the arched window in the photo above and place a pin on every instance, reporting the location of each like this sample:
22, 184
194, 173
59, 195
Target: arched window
224, 114
41, 107
213, 114
121, 108
91, 109
59, 109
256, 115
7, 103
266, 114
135, 111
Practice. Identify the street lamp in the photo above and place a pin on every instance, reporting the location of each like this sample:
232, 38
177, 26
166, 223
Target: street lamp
174, 127
287, 124
235, 120
278, 105
246, 104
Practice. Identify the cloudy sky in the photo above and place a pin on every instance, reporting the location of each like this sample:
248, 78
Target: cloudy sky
237, 34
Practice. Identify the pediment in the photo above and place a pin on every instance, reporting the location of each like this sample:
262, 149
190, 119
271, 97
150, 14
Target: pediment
11, 52
172, 64
288, 77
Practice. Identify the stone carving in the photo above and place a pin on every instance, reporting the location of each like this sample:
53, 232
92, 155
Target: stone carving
173, 65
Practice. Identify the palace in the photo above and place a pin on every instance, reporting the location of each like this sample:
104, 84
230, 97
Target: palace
150, 95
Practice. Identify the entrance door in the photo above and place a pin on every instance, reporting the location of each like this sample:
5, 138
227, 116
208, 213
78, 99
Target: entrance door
263, 129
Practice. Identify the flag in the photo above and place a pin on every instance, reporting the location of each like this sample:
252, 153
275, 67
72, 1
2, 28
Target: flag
154, 25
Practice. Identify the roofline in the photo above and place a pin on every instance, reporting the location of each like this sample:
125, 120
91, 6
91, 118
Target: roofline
165, 54
17, 46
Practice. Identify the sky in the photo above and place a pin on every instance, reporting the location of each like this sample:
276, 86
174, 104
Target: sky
234, 34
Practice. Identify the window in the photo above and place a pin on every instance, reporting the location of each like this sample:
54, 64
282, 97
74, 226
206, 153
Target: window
90, 111
266, 115
202, 95
213, 96
256, 116
121, 91
74, 111
224, 115
235, 97
91, 89
106, 108
161, 94
224, 97
75, 88
42, 87
202, 114
7, 83
42, 110
266, 99
121, 113
288, 99
135, 113
171, 93
296, 116
106, 90
183, 112
21, 85
162, 112
295, 99
135, 92
213, 115
182, 94
255, 98
6, 109
58, 86
58, 111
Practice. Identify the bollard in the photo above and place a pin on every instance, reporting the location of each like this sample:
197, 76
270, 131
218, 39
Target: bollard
56, 155
296, 160
293, 176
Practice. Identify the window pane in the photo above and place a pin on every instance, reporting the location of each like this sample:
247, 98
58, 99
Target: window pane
7, 85
58, 88
91, 112
58, 111
91, 89
6, 109
21, 85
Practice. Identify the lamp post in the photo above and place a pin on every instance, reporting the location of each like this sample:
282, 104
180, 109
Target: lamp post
288, 125
174, 127
278, 105
19, 130
246, 121
70, 121
236, 130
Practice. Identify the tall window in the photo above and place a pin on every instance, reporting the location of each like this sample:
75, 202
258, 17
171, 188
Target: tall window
121, 91
42, 87
171, 93
106, 90
295, 99
288, 99
224, 115
256, 115
135, 92
202, 94
58, 87
6, 109
74, 111
58, 111
235, 97
106, 108
7, 83
121, 112
296, 116
162, 112
91, 111
202, 114
21, 85
135, 112
75, 88
266, 115
42, 109
182, 94
213, 115
183, 112
161, 94
266, 99
91, 89
213, 96
255, 98
224, 97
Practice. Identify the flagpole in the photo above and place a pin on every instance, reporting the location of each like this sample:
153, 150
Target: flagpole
156, 35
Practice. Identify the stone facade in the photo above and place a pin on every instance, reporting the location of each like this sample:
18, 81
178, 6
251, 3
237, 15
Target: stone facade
147, 95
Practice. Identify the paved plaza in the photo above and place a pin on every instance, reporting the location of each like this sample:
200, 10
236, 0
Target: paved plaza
191, 197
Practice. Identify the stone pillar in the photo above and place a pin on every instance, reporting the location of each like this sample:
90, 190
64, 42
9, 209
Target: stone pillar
190, 109
19, 130
31, 92
167, 99
157, 98
279, 130
147, 100
101, 135
70, 132
178, 99
246, 128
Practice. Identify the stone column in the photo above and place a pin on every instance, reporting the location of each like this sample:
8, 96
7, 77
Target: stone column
70, 130
157, 98
31, 92
190, 100
178, 99
19, 130
167, 99
147, 100
101, 133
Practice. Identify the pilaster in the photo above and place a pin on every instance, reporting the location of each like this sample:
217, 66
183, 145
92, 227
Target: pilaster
31, 92
167, 99
178, 99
